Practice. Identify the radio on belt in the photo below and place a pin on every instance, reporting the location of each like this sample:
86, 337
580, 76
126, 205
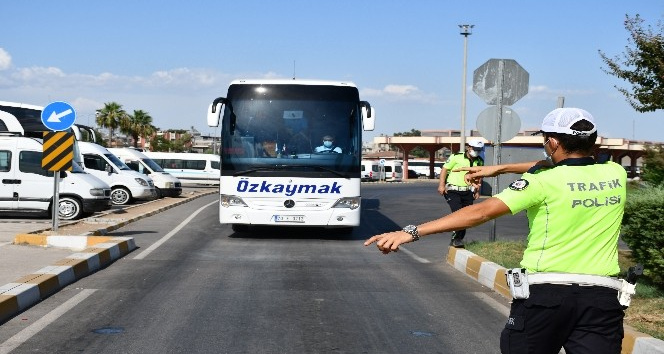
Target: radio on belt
517, 279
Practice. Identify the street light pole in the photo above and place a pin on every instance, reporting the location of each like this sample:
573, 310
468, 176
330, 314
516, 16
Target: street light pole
465, 31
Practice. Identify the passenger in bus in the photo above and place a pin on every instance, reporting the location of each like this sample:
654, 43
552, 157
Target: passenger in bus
328, 146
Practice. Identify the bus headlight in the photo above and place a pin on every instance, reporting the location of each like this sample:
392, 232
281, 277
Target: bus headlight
231, 200
169, 185
350, 203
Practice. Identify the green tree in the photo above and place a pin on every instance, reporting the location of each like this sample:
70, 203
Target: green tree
159, 143
653, 165
418, 151
181, 144
642, 65
138, 125
111, 117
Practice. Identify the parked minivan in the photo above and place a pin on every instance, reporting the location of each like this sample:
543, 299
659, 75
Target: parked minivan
126, 184
369, 171
164, 183
392, 171
27, 187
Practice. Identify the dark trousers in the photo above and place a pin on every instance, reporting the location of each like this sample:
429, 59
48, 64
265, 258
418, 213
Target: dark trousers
582, 319
458, 200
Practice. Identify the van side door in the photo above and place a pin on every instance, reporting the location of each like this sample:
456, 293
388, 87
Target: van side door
8, 196
36, 188
96, 166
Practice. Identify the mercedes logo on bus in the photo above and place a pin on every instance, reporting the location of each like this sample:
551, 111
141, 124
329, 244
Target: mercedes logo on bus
289, 203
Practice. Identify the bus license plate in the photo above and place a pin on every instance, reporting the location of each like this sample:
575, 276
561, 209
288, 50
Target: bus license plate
289, 218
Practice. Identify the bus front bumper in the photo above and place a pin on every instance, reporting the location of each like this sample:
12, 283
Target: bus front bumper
334, 217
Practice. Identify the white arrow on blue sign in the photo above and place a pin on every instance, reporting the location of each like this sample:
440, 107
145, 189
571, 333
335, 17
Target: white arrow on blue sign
58, 116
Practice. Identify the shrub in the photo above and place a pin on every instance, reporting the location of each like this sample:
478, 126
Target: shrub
643, 230
653, 168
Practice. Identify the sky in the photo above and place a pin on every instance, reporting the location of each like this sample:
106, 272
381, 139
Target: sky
172, 58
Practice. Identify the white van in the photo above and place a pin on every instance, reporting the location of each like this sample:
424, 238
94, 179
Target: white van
164, 183
189, 168
392, 171
27, 187
126, 184
370, 170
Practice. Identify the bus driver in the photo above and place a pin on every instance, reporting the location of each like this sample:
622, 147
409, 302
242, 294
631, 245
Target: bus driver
328, 146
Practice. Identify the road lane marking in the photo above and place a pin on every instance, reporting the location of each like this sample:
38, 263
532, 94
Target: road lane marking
414, 256
27, 333
170, 234
493, 303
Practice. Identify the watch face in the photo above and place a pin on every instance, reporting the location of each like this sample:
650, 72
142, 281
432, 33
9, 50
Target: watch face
410, 228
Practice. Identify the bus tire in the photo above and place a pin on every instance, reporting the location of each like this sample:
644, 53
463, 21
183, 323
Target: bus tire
240, 227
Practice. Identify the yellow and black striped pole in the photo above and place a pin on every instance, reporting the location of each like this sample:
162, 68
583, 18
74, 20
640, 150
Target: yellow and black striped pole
58, 154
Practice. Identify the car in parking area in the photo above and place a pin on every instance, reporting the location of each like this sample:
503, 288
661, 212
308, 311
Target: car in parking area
412, 174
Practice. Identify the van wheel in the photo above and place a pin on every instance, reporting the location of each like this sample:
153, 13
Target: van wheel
120, 196
159, 193
69, 208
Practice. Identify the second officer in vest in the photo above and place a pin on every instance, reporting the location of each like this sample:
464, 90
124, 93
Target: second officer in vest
453, 186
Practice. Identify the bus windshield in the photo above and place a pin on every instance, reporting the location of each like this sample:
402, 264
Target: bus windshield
279, 130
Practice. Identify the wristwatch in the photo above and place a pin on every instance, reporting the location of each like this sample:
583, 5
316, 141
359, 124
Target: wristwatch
412, 230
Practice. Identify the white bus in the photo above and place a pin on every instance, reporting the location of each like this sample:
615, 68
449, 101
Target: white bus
189, 168
421, 167
274, 169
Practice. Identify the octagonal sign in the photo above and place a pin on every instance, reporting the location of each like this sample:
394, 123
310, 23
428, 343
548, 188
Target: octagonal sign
499, 77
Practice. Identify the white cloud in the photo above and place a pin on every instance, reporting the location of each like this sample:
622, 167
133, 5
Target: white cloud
400, 92
5, 60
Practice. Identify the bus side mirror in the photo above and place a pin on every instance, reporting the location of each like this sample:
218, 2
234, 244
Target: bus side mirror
108, 169
213, 114
368, 118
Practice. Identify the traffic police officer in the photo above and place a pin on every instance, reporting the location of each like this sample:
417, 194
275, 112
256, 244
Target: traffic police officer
454, 188
566, 295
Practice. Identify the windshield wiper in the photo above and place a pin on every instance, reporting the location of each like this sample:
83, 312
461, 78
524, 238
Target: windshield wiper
252, 170
323, 169
283, 167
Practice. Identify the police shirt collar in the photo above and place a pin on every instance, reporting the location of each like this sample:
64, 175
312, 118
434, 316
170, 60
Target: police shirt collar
577, 161
574, 161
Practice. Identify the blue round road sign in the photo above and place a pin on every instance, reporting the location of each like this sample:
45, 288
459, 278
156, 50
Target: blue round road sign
58, 116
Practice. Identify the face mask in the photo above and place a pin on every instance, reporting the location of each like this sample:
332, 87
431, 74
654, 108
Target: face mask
473, 153
327, 144
547, 157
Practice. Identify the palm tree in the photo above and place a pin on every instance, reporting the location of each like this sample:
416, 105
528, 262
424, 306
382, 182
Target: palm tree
111, 117
137, 125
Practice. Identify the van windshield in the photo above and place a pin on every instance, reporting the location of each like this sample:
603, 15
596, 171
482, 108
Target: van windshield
116, 161
152, 165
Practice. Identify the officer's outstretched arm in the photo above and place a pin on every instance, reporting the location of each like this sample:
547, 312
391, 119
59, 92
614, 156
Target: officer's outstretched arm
476, 173
464, 218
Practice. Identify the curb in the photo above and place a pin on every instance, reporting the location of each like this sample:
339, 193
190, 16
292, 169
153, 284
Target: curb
492, 276
96, 252
30, 289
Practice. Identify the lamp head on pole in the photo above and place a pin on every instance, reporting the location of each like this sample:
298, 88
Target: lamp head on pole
466, 30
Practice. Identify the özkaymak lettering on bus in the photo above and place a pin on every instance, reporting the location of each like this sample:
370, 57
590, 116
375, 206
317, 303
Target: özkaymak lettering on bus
244, 186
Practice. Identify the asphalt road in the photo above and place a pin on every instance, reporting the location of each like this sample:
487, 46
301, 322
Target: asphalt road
194, 286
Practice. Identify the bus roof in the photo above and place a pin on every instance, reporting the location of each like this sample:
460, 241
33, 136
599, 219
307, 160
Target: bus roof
21, 105
291, 82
